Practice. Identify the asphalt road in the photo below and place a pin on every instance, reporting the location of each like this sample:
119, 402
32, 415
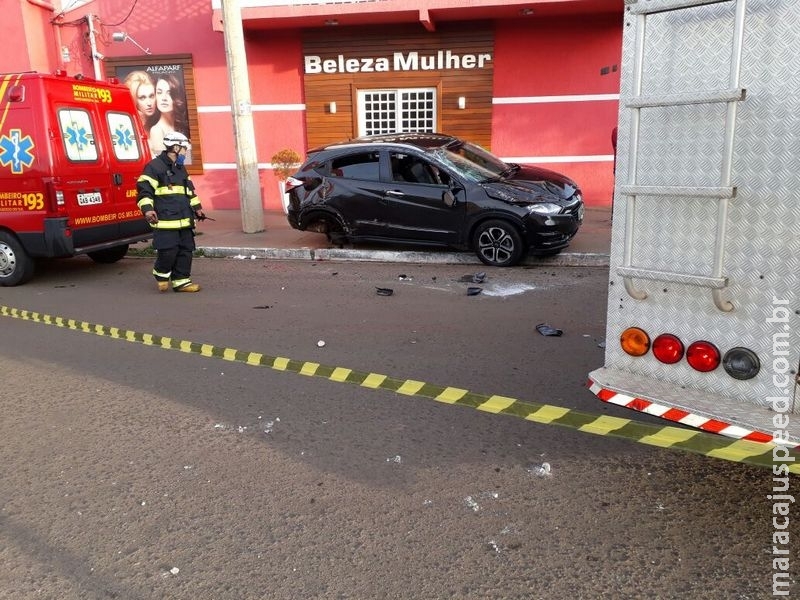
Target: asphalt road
131, 471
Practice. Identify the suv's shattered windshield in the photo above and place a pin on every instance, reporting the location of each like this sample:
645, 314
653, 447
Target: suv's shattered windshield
464, 167
479, 156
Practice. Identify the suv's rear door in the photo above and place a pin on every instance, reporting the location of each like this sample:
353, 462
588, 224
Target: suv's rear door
357, 193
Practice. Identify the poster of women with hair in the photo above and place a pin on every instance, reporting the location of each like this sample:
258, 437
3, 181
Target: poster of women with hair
159, 93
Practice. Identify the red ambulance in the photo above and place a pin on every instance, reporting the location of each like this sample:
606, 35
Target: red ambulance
71, 150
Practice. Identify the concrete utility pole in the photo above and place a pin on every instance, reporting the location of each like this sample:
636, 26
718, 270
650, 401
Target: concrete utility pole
243, 131
96, 56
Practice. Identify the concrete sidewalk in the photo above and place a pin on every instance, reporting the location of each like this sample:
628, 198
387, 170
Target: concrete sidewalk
224, 237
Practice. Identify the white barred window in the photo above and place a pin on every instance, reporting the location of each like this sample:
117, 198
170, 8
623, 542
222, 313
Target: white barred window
396, 111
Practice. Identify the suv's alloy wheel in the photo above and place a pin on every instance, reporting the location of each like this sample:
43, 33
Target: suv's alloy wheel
498, 244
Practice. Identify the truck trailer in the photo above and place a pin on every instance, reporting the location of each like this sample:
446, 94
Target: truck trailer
703, 320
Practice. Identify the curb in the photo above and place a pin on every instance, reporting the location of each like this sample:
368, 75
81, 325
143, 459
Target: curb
565, 259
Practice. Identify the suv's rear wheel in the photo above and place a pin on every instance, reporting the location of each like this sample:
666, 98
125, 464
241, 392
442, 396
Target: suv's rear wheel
498, 244
16, 266
107, 256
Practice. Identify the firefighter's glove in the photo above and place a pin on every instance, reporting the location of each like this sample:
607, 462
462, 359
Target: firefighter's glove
201, 216
151, 217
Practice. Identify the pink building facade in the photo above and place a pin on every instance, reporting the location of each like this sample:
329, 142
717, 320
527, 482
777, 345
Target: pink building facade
551, 97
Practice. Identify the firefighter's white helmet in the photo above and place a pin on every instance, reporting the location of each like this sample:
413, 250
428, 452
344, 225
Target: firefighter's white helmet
175, 138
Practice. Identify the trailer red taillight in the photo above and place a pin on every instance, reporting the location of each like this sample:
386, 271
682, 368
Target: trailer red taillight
668, 348
635, 341
741, 363
703, 356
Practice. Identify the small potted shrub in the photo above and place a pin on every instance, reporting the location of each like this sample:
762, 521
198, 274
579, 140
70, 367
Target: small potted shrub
284, 163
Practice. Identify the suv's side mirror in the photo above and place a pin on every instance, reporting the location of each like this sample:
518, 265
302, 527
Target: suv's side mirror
449, 198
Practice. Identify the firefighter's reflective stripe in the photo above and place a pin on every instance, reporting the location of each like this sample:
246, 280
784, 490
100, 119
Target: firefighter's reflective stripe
169, 190
173, 224
193, 202
152, 181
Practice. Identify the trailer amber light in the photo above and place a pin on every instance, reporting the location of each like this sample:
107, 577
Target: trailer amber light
668, 348
741, 363
635, 341
703, 356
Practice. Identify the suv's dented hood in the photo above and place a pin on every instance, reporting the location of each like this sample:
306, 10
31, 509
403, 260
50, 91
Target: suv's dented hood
532, 184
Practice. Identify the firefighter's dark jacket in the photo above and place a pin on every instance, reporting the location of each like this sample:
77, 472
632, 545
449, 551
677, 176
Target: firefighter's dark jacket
166, 188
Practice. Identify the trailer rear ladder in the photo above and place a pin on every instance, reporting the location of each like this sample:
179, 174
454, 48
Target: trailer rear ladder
722, 193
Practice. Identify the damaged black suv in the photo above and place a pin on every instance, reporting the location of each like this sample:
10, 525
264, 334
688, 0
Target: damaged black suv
433, 189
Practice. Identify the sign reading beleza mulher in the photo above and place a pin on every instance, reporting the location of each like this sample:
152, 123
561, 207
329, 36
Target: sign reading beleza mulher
399, 61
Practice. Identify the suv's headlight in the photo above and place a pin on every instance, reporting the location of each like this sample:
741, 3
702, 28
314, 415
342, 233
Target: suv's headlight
544, 208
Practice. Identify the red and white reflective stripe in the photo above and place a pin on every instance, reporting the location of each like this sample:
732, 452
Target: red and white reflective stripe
681, 416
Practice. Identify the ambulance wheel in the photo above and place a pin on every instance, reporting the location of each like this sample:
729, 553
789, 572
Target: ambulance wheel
16, 266
107, 256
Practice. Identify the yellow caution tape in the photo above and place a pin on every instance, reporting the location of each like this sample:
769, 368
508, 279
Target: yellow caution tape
689, 440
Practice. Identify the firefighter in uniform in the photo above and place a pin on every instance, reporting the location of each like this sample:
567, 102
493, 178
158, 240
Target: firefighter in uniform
166, 197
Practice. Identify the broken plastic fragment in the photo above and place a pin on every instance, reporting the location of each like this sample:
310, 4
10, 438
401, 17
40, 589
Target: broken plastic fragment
545, 329
478, 277
384, 291
474, 291
542, 470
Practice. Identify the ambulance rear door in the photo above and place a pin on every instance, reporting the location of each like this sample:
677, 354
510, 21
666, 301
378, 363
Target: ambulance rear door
84, 174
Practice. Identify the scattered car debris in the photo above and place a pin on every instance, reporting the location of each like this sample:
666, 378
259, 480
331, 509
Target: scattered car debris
474, 291
262, 306
470, 502
545, 329
542, 470
404, 277
503, 290
478, 277
384, 291
321, 343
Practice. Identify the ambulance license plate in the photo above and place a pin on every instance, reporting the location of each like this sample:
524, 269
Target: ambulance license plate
89, 198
